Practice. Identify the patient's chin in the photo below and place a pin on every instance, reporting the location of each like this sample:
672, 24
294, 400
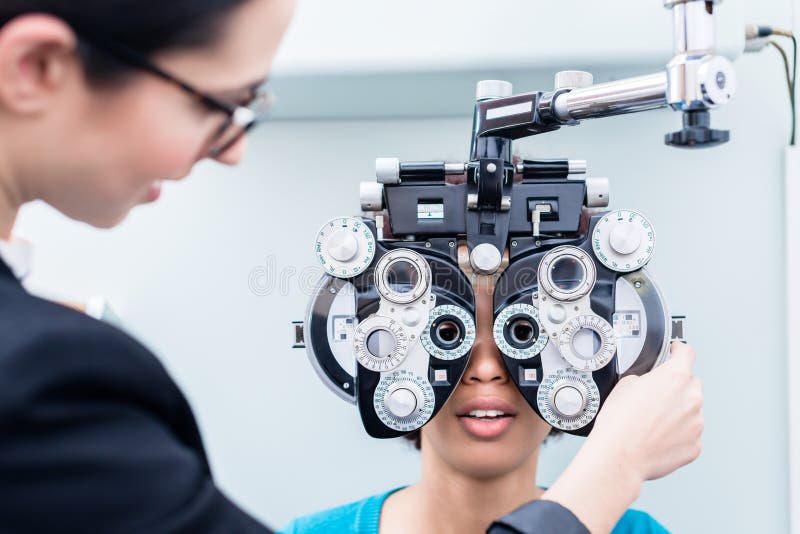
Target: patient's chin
482, 467
486, 460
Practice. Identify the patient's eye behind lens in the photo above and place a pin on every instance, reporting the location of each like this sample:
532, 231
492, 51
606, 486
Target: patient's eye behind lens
448, 334
522, 331
518, 332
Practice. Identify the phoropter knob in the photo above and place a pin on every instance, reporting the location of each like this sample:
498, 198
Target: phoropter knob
568, 399
696, 132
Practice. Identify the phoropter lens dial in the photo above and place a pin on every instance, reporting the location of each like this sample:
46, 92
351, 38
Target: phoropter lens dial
518, 332
587, 342
450, 332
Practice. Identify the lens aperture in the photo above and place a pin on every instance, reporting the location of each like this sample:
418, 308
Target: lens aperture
381, 343
448, 332
522, 331
402, 276
567, 273
586, 343
517, 332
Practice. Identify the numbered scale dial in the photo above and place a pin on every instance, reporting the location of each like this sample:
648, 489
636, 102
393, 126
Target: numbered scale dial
568, 399
404, 401
518, 332
587, 342
450, 332
380, 343
624, 240
345, 247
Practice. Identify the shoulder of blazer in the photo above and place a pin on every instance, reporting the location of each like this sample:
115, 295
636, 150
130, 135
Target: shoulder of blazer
48, 347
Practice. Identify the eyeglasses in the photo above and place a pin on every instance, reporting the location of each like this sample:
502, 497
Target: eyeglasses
240, 118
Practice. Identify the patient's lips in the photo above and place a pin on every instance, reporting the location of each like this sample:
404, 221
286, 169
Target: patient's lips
486, 417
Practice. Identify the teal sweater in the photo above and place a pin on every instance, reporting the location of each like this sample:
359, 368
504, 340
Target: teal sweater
363, 517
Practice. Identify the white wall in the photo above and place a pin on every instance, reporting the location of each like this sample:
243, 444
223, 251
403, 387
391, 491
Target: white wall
418, 35
178, 272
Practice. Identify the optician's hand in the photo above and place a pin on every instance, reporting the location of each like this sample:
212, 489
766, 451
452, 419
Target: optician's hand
655, 421
648, 427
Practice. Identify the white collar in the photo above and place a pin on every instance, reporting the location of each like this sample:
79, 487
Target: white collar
18, 255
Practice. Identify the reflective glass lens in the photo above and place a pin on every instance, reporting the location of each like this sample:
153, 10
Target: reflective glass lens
402, 276
567, 273
381, 343
586, 343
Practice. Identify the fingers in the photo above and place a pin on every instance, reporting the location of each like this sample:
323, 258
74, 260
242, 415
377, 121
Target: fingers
696, 393
682, 356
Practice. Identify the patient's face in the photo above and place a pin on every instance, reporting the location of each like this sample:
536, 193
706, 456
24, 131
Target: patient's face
486, 429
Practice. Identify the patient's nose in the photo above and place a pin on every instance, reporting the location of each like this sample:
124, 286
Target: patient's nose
485, 364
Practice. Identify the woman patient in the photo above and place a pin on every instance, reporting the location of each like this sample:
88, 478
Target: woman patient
479, 459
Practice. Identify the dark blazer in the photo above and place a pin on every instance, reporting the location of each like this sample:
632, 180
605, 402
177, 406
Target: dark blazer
95, 436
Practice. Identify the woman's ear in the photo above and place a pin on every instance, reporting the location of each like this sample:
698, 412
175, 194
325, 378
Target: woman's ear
37, 57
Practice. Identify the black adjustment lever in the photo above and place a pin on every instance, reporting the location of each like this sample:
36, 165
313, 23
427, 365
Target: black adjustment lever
697, 132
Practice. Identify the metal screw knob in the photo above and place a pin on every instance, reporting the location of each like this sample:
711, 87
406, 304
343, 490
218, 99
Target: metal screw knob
387, 170
485, 258
402, 402
569, 401
493, 89
573, 79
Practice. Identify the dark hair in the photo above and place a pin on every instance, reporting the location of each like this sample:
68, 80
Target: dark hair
415, 437
147, 26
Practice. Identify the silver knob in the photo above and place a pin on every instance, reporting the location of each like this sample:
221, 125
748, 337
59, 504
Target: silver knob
598, 192
387, 170
401, 402
717, 79
577, 166
625, 238
569, 401
371, 194
573, 79
485, 258
493, 89
342, 245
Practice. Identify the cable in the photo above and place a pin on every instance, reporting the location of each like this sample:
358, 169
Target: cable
790, 35
794, 90
782, 52
790, 78
755, 32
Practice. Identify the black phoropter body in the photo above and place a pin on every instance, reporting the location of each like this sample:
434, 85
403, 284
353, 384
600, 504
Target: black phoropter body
392, 323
